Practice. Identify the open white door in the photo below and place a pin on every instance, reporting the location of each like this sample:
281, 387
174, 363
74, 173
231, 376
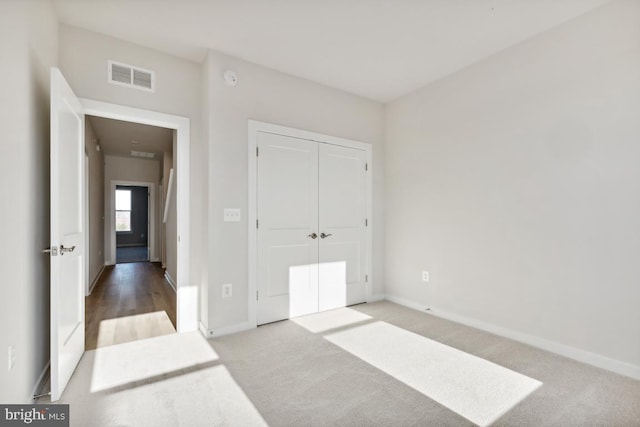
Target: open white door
67, 233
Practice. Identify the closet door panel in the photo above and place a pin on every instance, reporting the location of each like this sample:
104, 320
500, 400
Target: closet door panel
342, 215
287, 214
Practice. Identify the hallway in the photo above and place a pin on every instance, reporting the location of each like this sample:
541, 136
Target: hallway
130, 302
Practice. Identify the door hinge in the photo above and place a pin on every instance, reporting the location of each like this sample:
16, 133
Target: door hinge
257, 224
257, 295
366, 222
256, 151
366, 166
366, 278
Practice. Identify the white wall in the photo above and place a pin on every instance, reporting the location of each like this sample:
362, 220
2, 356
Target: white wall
269, 96
28, 47
205, 96
131, 170
96, 203
515, 182
83, 61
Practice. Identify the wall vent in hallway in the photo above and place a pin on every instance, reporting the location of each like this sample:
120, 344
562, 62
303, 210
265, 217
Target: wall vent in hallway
131, 76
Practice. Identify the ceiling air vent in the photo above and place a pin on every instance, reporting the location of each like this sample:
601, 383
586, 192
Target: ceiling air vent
142, 154
131, 76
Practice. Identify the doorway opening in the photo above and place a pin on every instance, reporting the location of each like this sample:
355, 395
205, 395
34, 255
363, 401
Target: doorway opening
134, 229
186, 292
132, 224
133, 295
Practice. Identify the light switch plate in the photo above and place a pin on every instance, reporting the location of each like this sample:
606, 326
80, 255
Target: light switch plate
232, 215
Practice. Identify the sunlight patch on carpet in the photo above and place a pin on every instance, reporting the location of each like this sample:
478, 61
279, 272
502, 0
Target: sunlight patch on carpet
474, 388
333, 319
122, 364
205, 396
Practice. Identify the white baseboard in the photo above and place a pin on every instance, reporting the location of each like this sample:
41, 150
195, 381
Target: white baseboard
154, 259
39, 383
406, 303
95, 280
584, 356
206, 332
170, 280
376, 297
228, 330
245, 326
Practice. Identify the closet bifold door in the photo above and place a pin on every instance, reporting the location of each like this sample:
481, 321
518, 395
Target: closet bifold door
287, 188
342, 226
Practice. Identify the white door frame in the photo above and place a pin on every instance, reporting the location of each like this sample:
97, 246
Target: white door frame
186, 292
85, 218
254, 128
151, 217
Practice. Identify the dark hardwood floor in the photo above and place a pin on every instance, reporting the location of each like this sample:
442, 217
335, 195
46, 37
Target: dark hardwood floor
129, 302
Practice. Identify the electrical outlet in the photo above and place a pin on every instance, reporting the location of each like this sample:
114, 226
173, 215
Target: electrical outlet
11, 357
425, 276
227, 290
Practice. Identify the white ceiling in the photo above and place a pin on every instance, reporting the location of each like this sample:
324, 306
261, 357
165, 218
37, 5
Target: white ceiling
378, 49
116, 137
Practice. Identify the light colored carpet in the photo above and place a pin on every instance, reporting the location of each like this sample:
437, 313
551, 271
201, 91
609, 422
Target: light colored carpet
374, 364
473, 387
172, 380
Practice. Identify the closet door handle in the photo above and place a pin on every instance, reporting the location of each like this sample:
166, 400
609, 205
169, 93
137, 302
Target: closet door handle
324, 236
312, 235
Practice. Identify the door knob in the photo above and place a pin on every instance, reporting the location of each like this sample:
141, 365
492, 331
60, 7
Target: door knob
64, 250
313, 235
324, 236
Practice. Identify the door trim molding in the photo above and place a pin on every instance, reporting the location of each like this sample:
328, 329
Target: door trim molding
85, 219
252, 216
187, 293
